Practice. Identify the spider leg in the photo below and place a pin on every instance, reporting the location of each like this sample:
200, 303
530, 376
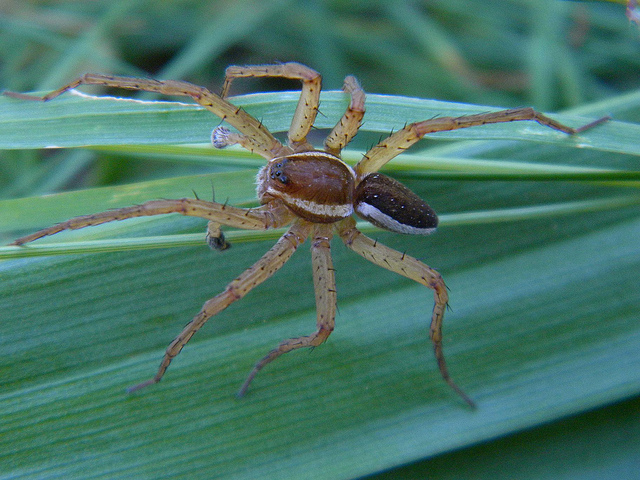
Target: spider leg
348, 126
261, 218
307, 107
264, 268
215, 237
395, 144
325, 290
259, 139
414, 269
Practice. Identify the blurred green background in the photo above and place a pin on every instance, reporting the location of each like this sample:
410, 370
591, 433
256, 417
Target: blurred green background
541, 309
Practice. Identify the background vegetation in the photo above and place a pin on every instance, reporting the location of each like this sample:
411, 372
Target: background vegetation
538, 245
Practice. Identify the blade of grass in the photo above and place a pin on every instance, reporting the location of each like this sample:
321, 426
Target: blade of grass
240, 236
543, 326
529, 348
81, 120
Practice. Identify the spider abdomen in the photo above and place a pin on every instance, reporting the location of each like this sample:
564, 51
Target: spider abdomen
316, 186
388, 204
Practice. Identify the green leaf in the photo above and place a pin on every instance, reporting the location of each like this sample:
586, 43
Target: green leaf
78, 119
543, 321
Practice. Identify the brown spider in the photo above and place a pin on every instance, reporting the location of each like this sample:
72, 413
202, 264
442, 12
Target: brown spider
312, 190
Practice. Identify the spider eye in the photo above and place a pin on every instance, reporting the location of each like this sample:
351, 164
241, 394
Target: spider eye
388, 204
277, 173
283, 178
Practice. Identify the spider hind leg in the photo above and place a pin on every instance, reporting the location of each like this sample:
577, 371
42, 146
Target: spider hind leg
415, 270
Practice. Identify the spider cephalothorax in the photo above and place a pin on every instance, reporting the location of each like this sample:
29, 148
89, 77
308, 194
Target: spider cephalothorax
316, 186
312, 190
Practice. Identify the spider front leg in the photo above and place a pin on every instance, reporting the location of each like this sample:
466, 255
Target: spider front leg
307, 107
414, 269
348, 126
257, 138
264, 268
395, 144
325, 289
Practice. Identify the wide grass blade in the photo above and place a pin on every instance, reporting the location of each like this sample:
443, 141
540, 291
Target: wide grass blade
543, 321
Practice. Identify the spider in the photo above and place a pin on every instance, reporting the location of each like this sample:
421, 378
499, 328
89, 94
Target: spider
311, 190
